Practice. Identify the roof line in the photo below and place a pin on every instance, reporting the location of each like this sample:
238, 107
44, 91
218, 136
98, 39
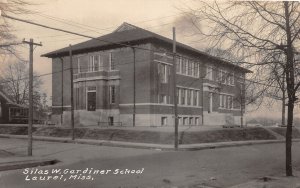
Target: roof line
123, 43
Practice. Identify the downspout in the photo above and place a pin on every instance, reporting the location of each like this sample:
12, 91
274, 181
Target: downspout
134, 88
62, 89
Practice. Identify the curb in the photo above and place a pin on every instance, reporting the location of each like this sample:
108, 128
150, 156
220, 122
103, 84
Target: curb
13, 165
186, 147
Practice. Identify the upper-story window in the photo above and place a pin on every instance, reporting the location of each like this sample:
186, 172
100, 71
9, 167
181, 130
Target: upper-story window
80, 68
187, 67
163, 72
94, 63
190, 68
195, 97
226, 77
196, 70
231, 79
182, 96
184, 66
189, 96
223, 77
112, 65
178, 64
209, 73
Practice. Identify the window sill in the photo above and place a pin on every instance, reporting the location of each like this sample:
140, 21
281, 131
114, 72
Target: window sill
222, 108
187, 75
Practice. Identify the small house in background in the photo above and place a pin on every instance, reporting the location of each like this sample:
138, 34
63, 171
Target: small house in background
208, 88
11, 112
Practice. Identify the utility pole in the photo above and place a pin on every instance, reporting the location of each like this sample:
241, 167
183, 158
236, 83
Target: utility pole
134, 88
174, 91
243, 101
72, 94
30, 118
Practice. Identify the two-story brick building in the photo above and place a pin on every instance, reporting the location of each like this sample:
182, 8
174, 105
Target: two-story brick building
208, 88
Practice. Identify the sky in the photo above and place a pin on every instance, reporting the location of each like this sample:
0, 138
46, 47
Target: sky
93, 18
96, 18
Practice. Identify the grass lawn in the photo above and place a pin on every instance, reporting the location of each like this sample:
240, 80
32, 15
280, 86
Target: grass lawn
16, 130
148, 136
282, 131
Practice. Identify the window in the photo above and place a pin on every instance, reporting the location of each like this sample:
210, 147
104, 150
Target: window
231, 79
94, 63
178, 64
112, 94
112, 65
196, 121
184, 66
80, 69
221, 101
189, 97
223, 77
226, 78
226, 101
195, 98
163, 99
110, 120
185, 121
164, 121
209, 72
183, 96
91, 100
210, 102
191, 121
190, 68
230, 102
163, 72
196, 69
179, 121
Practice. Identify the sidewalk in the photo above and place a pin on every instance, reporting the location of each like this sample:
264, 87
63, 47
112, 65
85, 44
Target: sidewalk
199, 167
273, 182
18, 160
184, 147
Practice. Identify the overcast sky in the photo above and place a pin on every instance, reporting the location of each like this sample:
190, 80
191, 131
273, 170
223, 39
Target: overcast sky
93, 18
96, 18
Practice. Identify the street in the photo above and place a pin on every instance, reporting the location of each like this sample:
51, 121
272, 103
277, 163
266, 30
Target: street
124, 167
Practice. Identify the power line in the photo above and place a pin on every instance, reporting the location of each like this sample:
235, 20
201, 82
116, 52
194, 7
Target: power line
107, 28
121, 44
110, 42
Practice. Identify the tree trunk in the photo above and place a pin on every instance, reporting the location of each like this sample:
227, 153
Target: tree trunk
283, 107
289, 169
290, 81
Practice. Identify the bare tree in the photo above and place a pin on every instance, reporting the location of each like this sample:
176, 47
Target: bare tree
278, 93
257, 31
15, 82
6, 36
